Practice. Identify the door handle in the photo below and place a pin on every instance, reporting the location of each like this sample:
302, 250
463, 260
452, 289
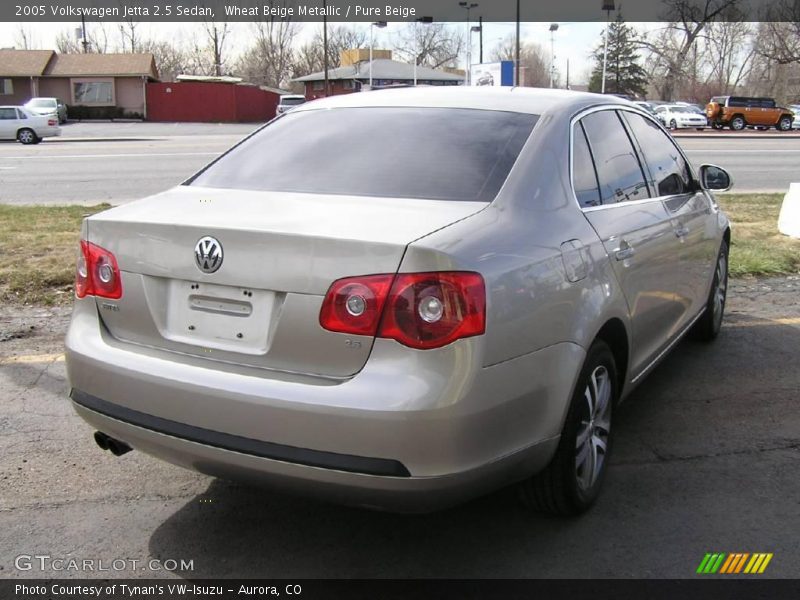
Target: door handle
624, 252
682, 231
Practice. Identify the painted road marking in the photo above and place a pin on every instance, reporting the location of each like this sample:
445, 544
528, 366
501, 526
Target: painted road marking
32, 358
104, 156
764, 322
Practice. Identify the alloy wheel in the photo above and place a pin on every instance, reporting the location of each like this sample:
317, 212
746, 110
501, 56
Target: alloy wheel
591, 442
721, 277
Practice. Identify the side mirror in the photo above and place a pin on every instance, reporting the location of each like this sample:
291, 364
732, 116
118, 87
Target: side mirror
715, 178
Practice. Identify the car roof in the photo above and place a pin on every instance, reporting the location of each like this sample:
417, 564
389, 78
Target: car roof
538, 101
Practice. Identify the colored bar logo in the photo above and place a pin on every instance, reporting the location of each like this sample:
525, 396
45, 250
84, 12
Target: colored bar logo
734, 563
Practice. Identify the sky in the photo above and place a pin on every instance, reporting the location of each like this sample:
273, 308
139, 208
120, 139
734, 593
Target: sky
572, 42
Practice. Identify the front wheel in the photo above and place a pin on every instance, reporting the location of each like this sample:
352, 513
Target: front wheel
571, 483
27, 136
708, 326
673, 125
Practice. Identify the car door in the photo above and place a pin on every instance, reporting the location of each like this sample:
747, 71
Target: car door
8, 123
635, 229
691, 213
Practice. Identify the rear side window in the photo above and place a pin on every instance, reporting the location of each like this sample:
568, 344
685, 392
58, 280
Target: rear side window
431, 153
618, 170
584, 177
669, 172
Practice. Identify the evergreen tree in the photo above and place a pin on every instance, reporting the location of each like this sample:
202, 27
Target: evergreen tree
624, 74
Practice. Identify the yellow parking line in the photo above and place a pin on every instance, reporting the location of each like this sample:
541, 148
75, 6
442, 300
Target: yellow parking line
32, 358
764, 322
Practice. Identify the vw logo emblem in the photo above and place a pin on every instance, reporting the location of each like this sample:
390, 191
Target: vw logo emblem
208, 254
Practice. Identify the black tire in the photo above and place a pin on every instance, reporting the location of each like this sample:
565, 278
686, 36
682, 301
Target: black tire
738, 123
27, 136
673, 125
716, 125
708, 326
563, 487
784, 124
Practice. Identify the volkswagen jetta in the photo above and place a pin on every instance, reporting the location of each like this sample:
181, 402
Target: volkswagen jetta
401, 299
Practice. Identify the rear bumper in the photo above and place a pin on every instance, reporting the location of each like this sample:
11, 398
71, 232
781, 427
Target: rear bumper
412, 431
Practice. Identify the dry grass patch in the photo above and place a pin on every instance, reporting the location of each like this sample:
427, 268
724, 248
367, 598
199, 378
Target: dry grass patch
39, 245
758, 248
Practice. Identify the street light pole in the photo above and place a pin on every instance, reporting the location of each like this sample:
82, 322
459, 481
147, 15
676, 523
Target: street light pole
325, 42
372, 26
608, 6
553, 29
469, 6
516, 60
424, 20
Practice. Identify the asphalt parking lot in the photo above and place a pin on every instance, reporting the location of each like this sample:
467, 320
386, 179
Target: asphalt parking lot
705, 461
119, 162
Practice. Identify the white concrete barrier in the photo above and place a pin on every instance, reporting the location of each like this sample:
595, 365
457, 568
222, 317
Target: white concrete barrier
789, 219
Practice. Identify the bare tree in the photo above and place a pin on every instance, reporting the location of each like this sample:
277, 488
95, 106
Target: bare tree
433, 45
170, 58
534, 61
26, 39
728, 52
268, 60
779, 32
96, 40
670, 48
308, 58
130, 38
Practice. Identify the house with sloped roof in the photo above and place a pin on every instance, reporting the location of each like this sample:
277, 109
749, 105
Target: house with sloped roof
354, 74
110, 81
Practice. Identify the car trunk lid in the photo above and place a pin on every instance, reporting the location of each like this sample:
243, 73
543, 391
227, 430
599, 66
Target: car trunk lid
280, 254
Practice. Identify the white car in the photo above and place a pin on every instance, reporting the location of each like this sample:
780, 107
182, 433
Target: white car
675, 116
288, 102
48, 106
795, 108
17, 123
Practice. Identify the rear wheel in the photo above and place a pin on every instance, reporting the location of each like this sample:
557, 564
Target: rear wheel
27, 136
738, 123
716, 125
708, 326
572, 481
785, 123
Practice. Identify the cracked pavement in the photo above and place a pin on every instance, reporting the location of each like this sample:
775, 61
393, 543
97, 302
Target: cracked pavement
706, 460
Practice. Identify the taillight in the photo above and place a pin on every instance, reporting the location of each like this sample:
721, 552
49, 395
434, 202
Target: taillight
419, 310
97, 273
52, 122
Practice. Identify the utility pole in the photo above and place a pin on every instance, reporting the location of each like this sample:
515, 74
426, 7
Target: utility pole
516, 78
480, 39
553, 29
84, 41
608, 6
325, 42
469, 6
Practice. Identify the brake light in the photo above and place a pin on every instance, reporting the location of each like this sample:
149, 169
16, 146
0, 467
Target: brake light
97, 273
419, 310
52, 122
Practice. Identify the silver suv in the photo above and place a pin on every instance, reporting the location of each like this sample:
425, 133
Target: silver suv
404, 319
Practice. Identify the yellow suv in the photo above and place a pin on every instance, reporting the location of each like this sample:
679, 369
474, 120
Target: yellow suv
738, 112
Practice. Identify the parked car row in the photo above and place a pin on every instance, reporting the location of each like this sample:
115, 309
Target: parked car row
736, 112
19, 123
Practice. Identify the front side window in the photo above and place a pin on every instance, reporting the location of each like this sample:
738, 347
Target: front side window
93, 92
669, 172
399, 152
618, 170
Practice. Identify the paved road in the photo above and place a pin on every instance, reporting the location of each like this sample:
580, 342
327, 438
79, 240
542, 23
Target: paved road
705, 460
110, 162
120, 162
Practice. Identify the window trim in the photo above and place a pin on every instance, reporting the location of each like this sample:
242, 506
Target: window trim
577, 117
75, 80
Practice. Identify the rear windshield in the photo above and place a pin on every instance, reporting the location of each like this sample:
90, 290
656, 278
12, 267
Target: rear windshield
433, 153
42, 103
292, 101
